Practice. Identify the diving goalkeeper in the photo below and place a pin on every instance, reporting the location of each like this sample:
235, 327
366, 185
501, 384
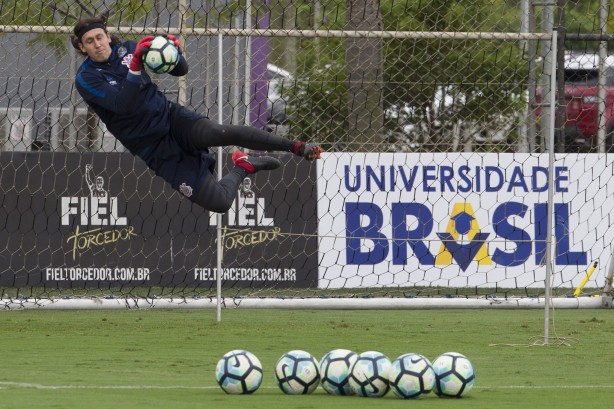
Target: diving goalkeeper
172, 140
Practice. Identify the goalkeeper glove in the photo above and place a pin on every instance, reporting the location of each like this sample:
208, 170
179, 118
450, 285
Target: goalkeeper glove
139, 54
174, 40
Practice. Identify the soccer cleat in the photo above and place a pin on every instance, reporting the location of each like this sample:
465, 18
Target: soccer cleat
309, 151
254, 163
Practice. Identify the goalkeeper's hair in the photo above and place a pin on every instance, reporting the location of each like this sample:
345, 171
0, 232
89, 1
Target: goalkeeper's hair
74, 38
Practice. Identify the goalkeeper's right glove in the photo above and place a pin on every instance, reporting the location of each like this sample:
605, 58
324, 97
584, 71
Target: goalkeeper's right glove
136, 64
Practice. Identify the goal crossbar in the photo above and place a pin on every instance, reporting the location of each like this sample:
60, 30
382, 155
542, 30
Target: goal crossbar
446, 35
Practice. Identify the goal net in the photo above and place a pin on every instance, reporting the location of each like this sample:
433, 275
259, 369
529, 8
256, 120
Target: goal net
435, 189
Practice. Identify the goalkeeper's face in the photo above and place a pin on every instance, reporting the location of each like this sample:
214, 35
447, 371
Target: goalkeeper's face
96, 44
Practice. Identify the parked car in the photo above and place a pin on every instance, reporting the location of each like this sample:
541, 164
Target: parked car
581, 99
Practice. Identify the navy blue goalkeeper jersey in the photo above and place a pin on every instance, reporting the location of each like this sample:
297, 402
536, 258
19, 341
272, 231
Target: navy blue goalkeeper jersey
135, 113
138, 114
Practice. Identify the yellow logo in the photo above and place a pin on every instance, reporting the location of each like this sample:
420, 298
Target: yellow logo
96, 238
444, 257
235, 238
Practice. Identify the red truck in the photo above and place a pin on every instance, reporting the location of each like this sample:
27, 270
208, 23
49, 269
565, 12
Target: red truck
581, 99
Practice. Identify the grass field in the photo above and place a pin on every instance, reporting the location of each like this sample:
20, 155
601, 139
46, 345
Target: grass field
166, 359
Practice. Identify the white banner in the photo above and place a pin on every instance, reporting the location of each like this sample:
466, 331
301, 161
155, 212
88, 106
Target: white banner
461, 219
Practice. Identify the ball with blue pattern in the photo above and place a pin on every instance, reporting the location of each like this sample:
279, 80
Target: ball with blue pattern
369, 375
335, 369
411, 376
162, 56
239, 372
454, 375
297, 373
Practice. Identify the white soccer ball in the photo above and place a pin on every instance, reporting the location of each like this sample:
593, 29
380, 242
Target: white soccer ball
411, 376
297, 373
369, 374
335, 371
162, 56
239, 372
454, 375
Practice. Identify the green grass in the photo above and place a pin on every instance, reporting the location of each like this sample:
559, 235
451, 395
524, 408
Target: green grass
166, 359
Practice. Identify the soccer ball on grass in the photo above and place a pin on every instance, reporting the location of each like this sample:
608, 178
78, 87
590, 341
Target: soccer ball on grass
297, 373
454, 375
162, 56
335, 371
369, 375
239, 372
411, 376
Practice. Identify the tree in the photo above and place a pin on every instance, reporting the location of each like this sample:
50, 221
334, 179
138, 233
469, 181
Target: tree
442, 85
364, 62
481, 80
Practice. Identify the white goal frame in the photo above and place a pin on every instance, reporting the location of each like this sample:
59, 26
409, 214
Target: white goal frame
546, 302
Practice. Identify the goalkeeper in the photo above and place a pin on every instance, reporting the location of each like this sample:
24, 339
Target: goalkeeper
172, 140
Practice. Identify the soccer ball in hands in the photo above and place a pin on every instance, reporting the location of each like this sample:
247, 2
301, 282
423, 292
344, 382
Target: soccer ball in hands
335, 371
369, 374
454, 375
162, 56
411, 376
239, 372
297, 373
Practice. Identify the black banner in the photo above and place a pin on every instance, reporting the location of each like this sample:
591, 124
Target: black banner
90, 220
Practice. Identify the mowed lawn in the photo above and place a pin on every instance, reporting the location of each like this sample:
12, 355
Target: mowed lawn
166, 358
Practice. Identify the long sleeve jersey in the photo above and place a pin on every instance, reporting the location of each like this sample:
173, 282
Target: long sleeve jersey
140, 117
132, 107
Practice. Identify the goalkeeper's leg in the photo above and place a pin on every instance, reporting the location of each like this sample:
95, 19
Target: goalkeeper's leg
207, 133
217, 196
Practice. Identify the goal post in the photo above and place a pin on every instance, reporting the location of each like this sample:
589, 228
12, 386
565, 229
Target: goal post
432, 192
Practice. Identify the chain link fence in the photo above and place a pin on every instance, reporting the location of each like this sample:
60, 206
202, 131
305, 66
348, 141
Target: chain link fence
395, 89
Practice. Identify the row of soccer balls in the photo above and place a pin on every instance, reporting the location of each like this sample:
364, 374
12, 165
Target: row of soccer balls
344, 372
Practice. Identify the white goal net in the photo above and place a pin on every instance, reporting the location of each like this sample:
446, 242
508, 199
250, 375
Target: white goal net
443, 163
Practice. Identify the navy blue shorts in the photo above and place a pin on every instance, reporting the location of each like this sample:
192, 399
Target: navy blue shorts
176, 160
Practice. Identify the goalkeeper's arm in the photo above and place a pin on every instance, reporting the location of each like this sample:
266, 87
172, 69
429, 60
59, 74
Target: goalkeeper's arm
181, 68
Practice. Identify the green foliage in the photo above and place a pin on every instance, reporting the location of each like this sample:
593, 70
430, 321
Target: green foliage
67, 12
480, 76
483, 78
18, 12
318, 95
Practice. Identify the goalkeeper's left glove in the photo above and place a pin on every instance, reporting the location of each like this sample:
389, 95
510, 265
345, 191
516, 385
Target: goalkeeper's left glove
174, 40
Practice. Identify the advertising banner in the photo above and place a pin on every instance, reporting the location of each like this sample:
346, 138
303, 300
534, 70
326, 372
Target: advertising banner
90, 220
462, 220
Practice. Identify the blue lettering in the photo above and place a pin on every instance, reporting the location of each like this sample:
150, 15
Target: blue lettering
517, 180
346, 178
490, 170
537, 170
559, 178
355, 234
447, 178
478, 180
446, 173
462, 173
510, 232
408, 183
561, 236
393, 182
372, 176
414, 238
365, 221
428, 179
